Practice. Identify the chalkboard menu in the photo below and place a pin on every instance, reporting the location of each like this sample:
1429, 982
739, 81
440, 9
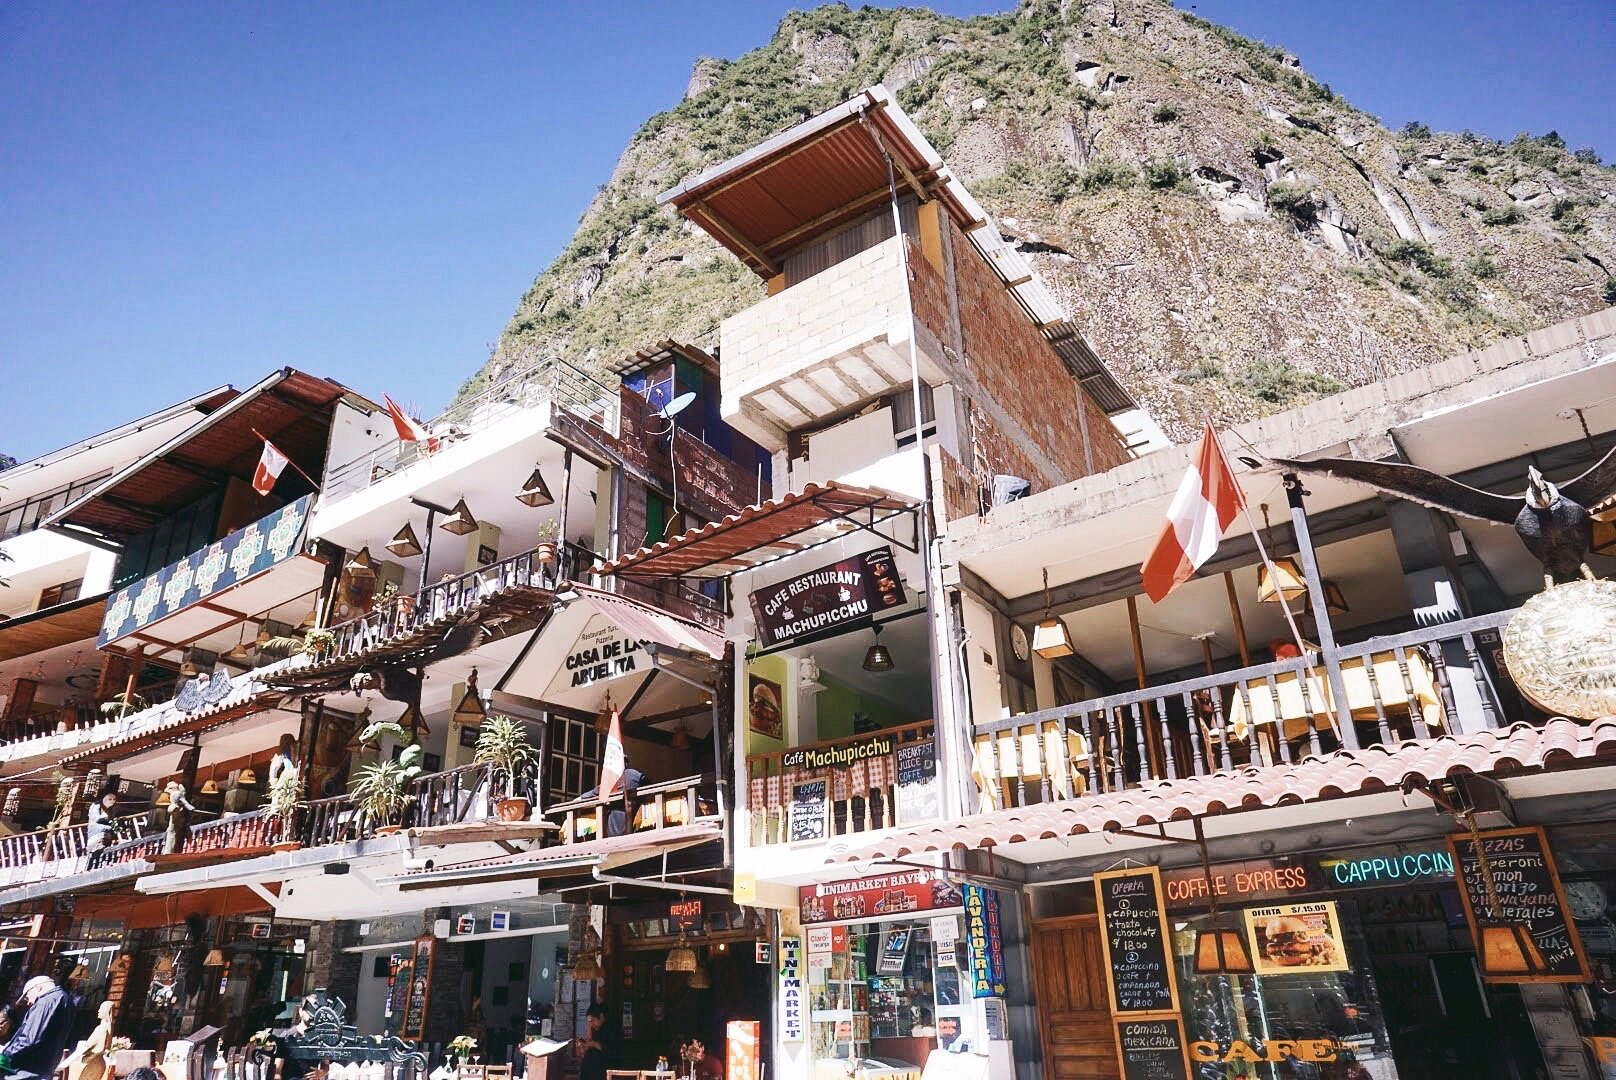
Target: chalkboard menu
1153, 1049
917, 782
810, 810
420, 976
1133, 931
1517, 908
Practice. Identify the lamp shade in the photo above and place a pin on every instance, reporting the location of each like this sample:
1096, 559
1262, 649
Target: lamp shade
1283, 582
1510, 950
535, 492
878, 657
404, 543
681, 958
460, 522
246, 778
681, 738
361, 565
699, 979
1051, 639
1335, 601
1221, 951
470, 711
586, 969
215, 958
210, 786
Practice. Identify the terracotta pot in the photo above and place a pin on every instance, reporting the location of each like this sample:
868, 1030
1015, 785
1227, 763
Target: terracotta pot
545, 553
512, 809
285, 845
388, 830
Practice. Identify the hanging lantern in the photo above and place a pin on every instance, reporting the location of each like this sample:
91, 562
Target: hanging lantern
535, 492
1220, 950
587, 969
405, 544
681, 738
1280, 582
460, 522
1050, 638
361, 566
700, 980
682, 957
878, 657
1335, 601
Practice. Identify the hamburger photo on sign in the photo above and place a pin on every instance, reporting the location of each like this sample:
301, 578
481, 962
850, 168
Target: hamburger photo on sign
1292, 938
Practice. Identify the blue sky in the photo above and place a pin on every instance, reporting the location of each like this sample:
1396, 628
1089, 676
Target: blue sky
193, 194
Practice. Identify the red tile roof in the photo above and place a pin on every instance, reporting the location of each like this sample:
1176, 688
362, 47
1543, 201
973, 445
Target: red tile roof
1558, 744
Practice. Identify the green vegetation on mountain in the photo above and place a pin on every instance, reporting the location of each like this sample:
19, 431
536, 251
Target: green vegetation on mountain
1230, 234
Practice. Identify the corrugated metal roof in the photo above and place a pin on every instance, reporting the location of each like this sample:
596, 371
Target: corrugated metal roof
289, 407
1522, 748
756, 534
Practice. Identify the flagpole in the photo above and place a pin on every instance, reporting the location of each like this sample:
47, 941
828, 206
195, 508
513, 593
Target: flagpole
312, 481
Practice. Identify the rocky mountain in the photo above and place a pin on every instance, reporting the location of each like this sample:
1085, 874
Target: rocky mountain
1229, 233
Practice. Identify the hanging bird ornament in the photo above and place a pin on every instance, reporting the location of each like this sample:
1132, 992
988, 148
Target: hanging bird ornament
1560, 647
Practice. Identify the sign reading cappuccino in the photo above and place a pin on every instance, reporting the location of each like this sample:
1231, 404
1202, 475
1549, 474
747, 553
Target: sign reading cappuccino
844, 593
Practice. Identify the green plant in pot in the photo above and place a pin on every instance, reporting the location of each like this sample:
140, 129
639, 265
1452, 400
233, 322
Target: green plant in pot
544, 545
502, 744
282, 806
381, 789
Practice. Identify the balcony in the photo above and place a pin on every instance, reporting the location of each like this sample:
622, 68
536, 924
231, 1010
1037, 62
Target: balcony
551, 381
827, 344
252, 571
843, 786
1425, 683
521, 587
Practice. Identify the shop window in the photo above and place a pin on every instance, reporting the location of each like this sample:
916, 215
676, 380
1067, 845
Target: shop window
65, 593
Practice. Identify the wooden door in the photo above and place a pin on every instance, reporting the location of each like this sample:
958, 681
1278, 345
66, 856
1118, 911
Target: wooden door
1073, 1006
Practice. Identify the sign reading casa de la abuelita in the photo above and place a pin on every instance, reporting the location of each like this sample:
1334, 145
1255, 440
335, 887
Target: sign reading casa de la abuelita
843, 594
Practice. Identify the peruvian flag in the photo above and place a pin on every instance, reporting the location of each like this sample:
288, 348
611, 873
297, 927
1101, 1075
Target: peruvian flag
270, 464
612, 765
1208, 499
409, 429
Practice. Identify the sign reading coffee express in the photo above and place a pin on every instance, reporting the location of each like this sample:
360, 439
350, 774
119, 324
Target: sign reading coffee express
845, 593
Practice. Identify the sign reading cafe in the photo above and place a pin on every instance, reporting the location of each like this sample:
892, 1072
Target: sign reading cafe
847, 592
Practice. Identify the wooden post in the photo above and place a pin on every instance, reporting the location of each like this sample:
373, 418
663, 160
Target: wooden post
1150, 747
1206, 651
1239, 620
562, 558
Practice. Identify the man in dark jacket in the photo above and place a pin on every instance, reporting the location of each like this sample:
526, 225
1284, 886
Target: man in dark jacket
36, 1049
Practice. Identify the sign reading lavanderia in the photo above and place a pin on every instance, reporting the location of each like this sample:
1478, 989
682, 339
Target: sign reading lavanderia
844, 593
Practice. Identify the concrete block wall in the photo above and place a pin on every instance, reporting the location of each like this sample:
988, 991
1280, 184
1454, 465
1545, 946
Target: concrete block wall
856, 300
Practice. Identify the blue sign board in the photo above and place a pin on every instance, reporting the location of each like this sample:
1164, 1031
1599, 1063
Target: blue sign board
984, 941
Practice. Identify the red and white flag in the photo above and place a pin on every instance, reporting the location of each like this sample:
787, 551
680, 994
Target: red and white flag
409, 429
613, 765
1208, 499
270, 464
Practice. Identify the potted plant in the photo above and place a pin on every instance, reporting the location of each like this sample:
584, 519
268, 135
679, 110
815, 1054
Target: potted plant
119, 707
461, 1048
502, 744
319, 641
282, 807
544, 547
381, 789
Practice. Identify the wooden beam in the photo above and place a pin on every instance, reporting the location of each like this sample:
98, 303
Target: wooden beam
716, 220
665, 717
1239, 620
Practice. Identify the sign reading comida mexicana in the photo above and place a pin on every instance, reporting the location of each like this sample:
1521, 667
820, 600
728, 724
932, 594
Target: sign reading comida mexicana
845, 593
602, 653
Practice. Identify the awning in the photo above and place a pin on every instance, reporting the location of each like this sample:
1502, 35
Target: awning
564, 858
248, 696
140, 913
51, 627
762, 533
602, 645
1520, 749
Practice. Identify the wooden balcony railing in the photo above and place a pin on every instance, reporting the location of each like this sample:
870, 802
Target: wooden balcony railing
860, 775
56, 852
647, 808
399, 616
1426, 682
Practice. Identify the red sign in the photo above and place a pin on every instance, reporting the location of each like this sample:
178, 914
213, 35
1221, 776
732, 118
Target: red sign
685, 914
1258, 879
877, 895
741, 1039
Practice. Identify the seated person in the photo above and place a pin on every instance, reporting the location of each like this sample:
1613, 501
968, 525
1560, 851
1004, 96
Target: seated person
627, 784
701, 1064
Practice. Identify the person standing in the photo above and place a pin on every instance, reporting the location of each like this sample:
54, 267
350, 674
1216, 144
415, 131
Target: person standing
593, 1063
35, 1050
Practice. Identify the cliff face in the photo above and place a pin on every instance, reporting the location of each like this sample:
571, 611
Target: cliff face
1230, 235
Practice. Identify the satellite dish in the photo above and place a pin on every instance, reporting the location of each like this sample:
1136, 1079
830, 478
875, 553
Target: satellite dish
677, 405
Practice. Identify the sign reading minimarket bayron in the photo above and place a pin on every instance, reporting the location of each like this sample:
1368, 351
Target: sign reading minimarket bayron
845, 593
601, 653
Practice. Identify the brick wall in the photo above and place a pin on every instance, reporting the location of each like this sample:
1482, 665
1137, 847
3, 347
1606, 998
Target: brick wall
1009, 362
710, 484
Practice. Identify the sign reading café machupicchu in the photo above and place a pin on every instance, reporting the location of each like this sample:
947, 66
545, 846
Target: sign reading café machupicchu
844, 593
